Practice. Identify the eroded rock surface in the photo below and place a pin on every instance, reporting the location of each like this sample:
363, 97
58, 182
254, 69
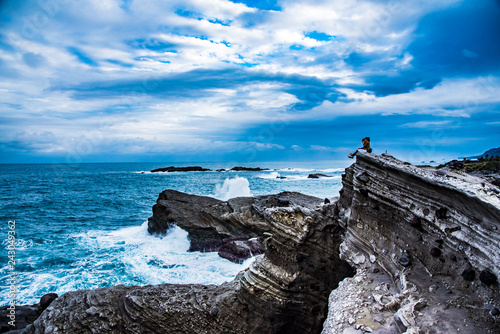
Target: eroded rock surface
285, 290
428, 234
212, 223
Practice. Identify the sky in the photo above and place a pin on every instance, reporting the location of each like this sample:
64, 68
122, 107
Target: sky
246, 81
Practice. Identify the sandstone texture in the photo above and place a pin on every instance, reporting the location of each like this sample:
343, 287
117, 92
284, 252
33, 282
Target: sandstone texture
420, 240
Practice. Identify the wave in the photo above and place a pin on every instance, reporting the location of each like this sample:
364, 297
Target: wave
21, 244
332, 170
273, 175
298, 170
237, 187
129, 256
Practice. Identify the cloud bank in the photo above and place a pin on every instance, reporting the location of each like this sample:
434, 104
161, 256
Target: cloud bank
126, 80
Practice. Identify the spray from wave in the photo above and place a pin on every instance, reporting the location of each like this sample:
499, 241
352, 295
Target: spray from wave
237, 187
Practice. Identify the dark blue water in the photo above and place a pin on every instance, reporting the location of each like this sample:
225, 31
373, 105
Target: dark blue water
83, 226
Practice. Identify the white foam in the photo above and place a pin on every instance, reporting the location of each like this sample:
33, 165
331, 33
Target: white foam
298, 170
237, 187
129, 256
332, 170
273, 175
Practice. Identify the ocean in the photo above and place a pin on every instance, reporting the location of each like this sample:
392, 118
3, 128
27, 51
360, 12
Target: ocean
84, 226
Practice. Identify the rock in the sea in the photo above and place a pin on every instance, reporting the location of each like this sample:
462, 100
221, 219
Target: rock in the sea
248, 169
180, 169
47, 299
211, 222
317, 176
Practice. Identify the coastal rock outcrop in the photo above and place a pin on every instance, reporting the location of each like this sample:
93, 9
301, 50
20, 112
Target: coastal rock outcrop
403, 250
180, 169
285, 290
419, 239
213, 224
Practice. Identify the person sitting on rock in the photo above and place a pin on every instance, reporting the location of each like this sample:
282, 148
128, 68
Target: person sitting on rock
366, 146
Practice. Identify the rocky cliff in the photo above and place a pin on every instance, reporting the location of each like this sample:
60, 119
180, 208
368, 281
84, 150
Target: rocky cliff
426, 244
285, 290
404, 250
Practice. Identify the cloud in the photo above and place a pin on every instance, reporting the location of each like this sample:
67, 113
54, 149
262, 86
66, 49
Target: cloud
425, 124
195, 74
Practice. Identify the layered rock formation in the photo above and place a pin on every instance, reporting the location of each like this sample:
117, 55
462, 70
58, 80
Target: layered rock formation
233, 227
284, 291
427, 247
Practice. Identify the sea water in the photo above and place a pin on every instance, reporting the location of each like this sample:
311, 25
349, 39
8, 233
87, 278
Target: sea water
84, 226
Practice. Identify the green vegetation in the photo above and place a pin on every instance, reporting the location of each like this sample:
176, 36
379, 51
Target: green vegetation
486, 164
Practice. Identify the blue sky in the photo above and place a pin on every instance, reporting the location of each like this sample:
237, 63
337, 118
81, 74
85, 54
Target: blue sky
241, 80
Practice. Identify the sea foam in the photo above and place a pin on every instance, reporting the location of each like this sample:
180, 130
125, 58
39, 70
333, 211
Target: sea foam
237, 187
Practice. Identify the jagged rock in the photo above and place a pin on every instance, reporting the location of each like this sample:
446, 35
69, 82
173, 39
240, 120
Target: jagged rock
285, 290
238, 250
180, 169
466, 223
211, 222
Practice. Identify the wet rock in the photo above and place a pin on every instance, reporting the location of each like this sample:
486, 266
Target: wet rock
47, 299
487, 277
364, 192
210, 221
238, 250
24, 316
285, 290
327, 201
469, 274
